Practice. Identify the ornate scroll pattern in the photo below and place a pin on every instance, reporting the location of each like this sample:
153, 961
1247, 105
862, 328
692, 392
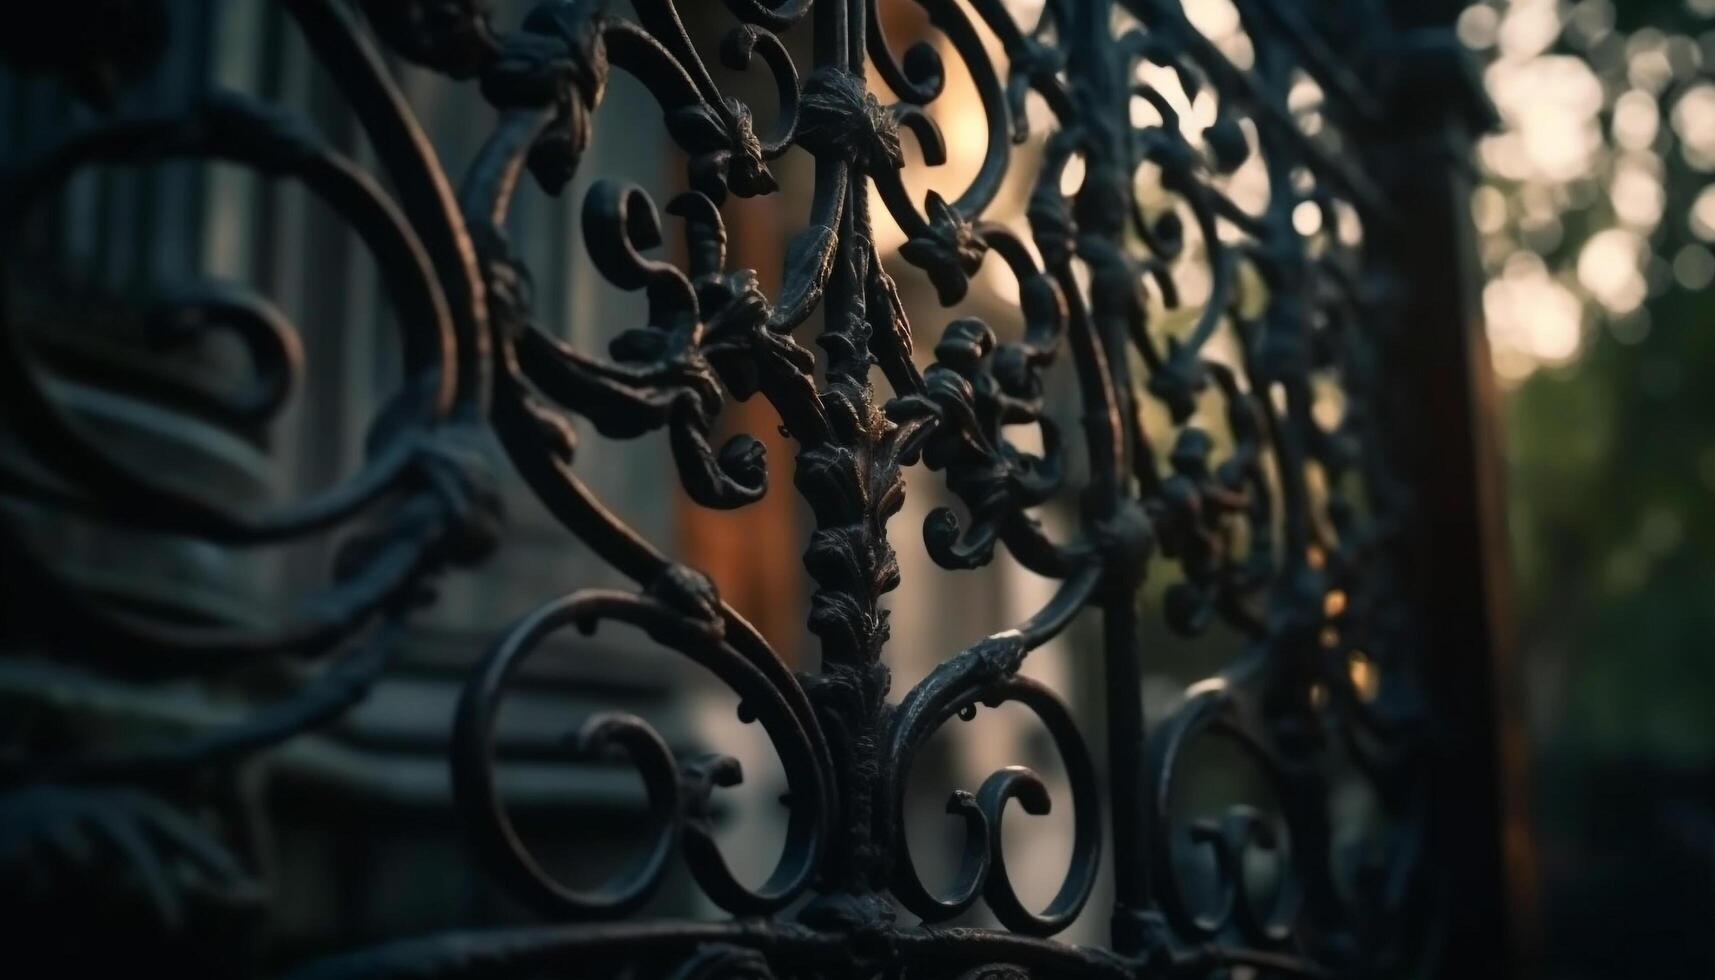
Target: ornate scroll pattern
1276, 521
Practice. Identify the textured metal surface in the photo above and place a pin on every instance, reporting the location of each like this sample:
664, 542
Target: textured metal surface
1281, 523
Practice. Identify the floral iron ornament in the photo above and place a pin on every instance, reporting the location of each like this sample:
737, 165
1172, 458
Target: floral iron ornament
1267, 535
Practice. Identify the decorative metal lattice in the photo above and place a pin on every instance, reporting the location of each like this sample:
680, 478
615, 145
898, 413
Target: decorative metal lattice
1280, 527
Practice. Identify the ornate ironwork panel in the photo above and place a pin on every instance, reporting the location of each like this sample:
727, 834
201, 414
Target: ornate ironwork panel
1238, 448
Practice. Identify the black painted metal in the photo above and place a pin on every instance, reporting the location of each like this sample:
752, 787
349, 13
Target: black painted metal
1287, 531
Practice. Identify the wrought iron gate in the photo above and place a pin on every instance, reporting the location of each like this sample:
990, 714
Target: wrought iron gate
1343, 549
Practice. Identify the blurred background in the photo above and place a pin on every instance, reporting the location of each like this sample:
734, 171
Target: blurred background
1596, 215
1597, 219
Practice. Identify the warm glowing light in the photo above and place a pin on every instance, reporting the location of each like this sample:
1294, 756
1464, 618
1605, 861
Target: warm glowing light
1348, 226
1636, 190
1488, 209
1165, 81
1610, 267
1550, 105
1072, 177
1528, 28
1334, 604
1702, 217
1366, 679
1238, 49
1328, 406
1532, 318
1307, 218
1636, 120
1214, 19
1477, 26
1248, 186
1647, 65
1694, 122
1304, 95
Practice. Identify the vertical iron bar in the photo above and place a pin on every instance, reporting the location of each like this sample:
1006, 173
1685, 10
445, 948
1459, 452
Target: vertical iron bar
1096, 73
1442, 420
1132, 920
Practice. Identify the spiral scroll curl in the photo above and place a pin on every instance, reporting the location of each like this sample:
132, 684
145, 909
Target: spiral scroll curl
1212, 710
679, 797
986, 673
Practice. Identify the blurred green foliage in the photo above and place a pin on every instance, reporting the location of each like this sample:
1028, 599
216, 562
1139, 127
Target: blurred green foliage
1611, 479
1611, 494
1611, 486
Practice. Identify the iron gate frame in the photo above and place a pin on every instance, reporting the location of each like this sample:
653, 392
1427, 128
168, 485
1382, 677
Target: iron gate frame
1380, 585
